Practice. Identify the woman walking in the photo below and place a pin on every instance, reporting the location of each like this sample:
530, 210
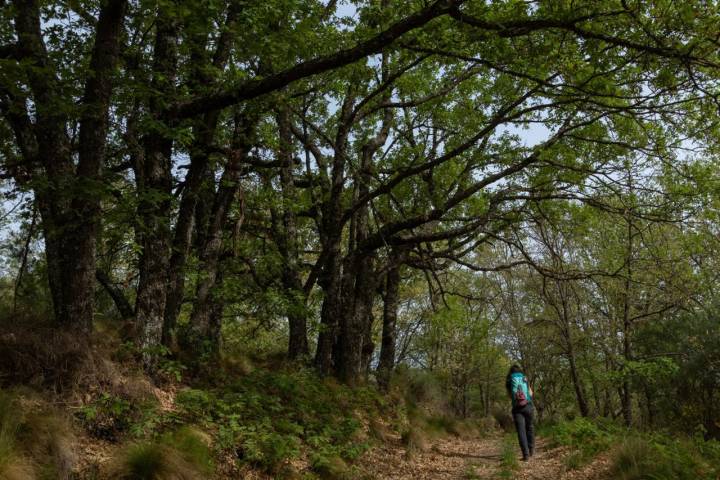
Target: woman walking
521, 396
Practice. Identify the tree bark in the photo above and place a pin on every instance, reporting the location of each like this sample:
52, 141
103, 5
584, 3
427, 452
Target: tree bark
154, 180
389, 332
204, 130
330, 278
577, 383
287, 242
204, 333
68, 198
357, 295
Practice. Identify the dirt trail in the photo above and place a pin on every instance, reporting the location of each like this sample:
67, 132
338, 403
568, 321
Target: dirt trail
473, 458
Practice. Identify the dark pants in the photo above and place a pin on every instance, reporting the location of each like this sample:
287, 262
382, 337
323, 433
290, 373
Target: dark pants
523, 418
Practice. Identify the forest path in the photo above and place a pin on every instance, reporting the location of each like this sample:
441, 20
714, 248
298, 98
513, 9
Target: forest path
473, 459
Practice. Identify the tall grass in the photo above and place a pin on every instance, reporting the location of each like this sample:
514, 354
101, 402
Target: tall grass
33, 445
181, 455
508, 458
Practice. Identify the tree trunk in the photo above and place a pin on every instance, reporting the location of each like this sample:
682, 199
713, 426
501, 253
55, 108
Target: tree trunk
362, 317
154, 179
203, 332
287, 242
577, 384
626, 398
68, 198
203, 132
387, 349
329, 280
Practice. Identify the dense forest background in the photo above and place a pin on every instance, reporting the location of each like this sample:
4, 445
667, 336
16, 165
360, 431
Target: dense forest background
392, 192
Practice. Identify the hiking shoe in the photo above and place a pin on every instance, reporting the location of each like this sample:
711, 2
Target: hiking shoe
525, 458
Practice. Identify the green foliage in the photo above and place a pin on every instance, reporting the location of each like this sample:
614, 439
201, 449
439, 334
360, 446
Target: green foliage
107, 416
636, 455
193, 445
585, 438
663, 458
508, 458
267, 418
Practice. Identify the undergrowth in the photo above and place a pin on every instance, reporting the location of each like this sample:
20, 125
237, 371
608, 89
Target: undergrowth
35, 443
508, 458
636, 455
585, 438
180, 455
267, 418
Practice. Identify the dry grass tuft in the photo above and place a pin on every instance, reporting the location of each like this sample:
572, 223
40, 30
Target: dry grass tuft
379, 431
34, 440
415, 441
151, 461
333, 468
33, 353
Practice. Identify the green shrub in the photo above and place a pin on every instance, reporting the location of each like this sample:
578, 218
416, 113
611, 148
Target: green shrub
585, 438
107, 416
268, 450
638, 456
661, 458
266, 418
196, 404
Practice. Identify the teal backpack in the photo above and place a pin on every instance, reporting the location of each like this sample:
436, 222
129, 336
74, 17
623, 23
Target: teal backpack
520, 390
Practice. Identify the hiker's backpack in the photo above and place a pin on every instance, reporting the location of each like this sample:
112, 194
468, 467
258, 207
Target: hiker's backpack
520, 390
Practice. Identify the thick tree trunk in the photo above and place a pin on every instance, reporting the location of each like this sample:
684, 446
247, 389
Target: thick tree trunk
366, 290
358, 295
330, 278
70, 254
387, 349
68, 198
330, 281
342, 348
154, 179
359, 292
203, 332
287, 242
204, 132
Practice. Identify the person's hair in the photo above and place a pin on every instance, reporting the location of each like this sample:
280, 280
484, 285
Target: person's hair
515, 369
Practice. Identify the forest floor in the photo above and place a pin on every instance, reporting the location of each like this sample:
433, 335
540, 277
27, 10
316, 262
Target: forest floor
478, 459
